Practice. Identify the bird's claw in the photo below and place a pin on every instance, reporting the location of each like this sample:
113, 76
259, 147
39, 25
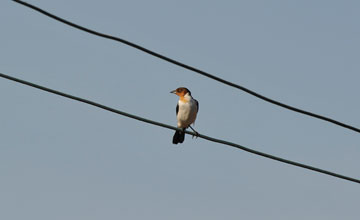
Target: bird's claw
195, 135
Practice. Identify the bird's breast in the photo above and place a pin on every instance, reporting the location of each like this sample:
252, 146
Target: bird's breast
186, 114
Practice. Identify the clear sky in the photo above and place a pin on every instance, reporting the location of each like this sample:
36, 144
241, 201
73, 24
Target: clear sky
61, 159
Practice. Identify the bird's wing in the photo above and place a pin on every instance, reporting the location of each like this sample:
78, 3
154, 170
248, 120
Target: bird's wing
177, 109
197, 105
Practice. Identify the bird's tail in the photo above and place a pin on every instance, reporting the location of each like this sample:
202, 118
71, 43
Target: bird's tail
179, 137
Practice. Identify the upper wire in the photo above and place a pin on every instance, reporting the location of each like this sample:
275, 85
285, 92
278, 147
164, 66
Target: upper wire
178, 129
190, 68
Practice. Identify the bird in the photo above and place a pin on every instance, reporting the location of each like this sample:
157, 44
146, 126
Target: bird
186, 112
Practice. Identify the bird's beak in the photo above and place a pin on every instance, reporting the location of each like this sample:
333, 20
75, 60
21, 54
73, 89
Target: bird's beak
174, 91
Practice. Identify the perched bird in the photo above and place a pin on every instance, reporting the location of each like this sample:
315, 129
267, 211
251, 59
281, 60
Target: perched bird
186, 111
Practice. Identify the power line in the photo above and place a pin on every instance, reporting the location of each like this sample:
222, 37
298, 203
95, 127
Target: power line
190, 68
174, 128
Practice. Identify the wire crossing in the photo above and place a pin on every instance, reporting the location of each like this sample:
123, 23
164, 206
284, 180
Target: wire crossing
289, 107
174, 128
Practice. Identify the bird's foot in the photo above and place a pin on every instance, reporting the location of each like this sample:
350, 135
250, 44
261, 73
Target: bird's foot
196, 133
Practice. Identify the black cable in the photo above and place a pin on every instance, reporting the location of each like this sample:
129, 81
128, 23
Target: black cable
174, 128
190, 68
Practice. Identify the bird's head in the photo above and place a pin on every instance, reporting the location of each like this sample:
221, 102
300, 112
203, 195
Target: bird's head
181, 91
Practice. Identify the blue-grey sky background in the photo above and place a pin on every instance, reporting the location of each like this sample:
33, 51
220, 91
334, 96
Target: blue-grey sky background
61, 159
